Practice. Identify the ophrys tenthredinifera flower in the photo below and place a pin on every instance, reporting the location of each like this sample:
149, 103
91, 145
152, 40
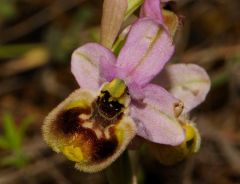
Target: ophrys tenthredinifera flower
116, 101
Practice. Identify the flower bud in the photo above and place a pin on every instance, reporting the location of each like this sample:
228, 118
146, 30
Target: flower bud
170, 155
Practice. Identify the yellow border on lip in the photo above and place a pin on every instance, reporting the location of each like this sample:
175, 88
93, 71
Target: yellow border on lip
83, 103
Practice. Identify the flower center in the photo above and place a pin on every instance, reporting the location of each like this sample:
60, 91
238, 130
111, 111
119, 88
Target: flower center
112, 99
108, 108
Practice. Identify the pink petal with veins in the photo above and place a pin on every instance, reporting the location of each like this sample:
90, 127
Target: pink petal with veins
188, 82
147, 49
155, 117
85, 64
107, 69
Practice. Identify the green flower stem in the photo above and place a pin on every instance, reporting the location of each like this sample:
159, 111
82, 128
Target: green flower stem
132, 6
120, 41
118, 45
120, 172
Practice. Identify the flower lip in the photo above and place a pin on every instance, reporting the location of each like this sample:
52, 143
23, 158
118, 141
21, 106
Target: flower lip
82, 136
70, 123
97, 133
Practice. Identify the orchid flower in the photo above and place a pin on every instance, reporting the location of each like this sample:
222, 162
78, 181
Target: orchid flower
116, 100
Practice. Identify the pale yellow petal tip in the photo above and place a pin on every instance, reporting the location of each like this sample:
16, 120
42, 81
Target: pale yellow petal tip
83, 103
170, 155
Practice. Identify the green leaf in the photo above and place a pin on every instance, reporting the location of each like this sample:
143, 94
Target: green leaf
10, 131
12, 140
